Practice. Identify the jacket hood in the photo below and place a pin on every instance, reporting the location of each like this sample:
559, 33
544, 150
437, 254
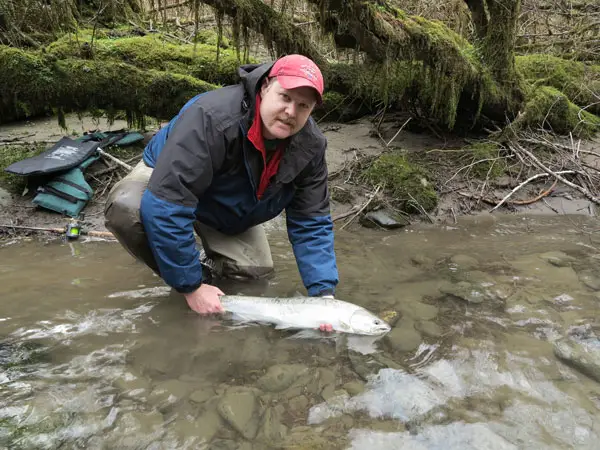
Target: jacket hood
252, 75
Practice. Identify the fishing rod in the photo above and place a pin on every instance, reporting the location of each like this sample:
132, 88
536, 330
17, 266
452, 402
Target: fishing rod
72, 230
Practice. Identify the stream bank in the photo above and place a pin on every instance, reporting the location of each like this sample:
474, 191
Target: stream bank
451, 167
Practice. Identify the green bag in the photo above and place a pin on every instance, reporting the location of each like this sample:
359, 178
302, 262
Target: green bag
68, 192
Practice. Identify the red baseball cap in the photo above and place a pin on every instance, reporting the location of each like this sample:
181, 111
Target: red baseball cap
293, 71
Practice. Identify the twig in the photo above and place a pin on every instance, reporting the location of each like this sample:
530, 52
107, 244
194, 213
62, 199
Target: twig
112, 158
550, 206
560, 178
528, 180
398, 132
421, 208
362, 208
345, 214
469, 166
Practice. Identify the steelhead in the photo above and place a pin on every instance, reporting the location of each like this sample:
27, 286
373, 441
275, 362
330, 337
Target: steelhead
304, 313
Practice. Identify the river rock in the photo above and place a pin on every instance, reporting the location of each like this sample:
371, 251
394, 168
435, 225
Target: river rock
135, 428
423, 311
229, 444
133, 384
328, 394
590, 279
202, 395
238, 407
255, 351
365, 365
326, 377
168, 392
383, 218
305, 438
429, 329
421, 260
558, 259
204, 428
306, 383
354, 387
583, 356
465, 291
404, 337
280, 377
271, 428
464, 262
298, 405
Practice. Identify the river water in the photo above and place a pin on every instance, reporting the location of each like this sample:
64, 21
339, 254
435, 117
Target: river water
96, 353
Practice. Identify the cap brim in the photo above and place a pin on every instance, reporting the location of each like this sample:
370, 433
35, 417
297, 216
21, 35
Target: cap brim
291, 82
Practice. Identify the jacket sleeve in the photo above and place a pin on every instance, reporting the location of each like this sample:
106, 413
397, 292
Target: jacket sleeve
192, 153
310, 230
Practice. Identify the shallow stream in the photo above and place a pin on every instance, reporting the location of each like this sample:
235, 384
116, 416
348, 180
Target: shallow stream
494, 346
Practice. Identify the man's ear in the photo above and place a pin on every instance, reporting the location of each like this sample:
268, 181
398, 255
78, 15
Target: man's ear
264, 85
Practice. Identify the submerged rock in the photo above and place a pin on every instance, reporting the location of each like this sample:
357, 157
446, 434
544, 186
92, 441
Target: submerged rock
404, 337
429, 329
202, 395
133, 384
169, 391
354, 387
204, 428
558, 259
590, 279
280, 377
271, 428
464, 262
583, 356
465, 291
384, 219
238, 407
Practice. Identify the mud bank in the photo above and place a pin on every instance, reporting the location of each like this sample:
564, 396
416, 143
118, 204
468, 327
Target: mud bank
351, 147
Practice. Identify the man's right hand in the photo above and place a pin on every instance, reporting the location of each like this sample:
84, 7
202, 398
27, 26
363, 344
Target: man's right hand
205, 300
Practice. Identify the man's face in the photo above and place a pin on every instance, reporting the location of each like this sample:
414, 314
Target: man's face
284, 112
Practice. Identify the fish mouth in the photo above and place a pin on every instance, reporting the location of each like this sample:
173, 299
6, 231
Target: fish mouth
379, 331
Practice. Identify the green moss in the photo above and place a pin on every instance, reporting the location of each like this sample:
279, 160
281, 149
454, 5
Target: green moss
155, 52
10, 154
210, 37
549, 108
36, 84
580, 82
486, 158
402, 180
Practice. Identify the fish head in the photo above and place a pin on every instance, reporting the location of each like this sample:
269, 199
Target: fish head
363, 322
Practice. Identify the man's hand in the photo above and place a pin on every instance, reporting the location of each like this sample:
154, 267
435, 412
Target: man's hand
205, 300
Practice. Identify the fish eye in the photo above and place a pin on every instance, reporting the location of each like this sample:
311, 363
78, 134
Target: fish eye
377, 322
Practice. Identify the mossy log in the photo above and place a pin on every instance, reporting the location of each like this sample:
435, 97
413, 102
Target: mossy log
36, 84
580, 82
151, 52
549, 108
278, 29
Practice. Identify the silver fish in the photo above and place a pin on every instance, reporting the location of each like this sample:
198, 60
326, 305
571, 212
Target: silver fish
304, 313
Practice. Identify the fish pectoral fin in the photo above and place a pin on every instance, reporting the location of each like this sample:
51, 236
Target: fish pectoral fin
344, 326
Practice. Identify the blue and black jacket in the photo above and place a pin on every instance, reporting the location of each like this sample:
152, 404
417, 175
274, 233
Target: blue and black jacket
206, 169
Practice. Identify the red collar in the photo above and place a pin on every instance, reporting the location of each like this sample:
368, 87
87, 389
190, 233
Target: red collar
256, 137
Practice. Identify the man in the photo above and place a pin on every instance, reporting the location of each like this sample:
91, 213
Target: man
232, 159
